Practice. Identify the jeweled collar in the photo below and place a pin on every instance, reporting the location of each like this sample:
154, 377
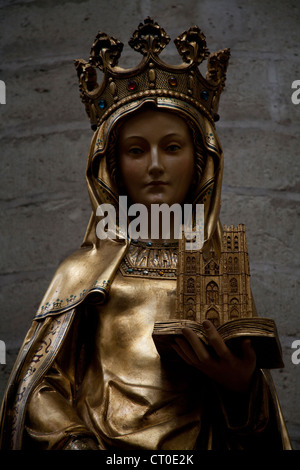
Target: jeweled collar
151, 259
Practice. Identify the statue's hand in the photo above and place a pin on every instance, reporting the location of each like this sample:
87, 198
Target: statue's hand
232, 372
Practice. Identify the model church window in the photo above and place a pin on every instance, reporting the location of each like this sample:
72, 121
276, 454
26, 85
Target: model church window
229, 242
233, 285
191, 285
212, 268
212, 293
236, 243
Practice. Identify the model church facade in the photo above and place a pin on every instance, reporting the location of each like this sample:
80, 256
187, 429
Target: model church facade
217, 289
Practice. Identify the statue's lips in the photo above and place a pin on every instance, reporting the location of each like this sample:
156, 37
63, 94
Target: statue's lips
157, 183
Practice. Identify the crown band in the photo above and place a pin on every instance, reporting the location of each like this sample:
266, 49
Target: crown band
155, 93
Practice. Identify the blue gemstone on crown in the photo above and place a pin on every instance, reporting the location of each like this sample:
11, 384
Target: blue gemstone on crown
102, 104
204, 95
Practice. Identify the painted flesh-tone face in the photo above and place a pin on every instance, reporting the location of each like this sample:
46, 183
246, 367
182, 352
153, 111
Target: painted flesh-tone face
156, 158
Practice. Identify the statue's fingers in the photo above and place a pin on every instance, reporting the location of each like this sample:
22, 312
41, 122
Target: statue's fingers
196, 344
216, 341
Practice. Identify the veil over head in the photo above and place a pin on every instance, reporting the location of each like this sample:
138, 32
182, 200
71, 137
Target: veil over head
92, 268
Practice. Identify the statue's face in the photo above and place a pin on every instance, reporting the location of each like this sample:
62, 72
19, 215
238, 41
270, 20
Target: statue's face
156, 158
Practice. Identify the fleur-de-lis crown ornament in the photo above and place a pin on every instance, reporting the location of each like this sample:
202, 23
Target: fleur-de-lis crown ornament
152, 77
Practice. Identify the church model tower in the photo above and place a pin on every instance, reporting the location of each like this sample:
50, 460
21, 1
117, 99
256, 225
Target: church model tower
217, 289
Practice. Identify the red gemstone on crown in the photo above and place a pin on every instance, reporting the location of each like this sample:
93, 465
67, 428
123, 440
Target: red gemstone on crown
132, 85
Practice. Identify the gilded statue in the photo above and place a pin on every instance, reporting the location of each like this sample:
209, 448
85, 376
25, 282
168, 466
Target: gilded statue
88, 375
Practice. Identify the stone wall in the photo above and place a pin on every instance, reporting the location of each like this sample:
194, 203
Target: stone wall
45, 136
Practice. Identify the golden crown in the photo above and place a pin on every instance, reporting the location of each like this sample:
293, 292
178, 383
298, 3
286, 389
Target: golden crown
152, 77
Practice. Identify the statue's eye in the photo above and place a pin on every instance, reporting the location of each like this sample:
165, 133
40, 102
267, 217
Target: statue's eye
136, 151
173, 148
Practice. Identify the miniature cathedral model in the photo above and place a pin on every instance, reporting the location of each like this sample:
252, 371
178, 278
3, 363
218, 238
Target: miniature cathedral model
217, 289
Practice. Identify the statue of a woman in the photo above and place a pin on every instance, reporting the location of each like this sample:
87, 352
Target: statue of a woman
88, 375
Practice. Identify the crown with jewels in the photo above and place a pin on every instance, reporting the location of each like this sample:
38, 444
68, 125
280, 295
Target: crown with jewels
152, 77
